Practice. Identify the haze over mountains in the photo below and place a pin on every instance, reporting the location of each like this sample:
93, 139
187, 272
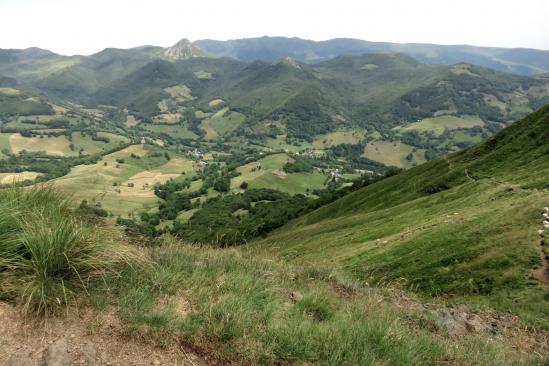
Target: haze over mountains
522, 61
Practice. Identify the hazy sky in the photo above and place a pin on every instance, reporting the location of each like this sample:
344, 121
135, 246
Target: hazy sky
88, 26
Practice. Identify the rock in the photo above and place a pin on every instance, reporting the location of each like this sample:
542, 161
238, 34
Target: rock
474, 324
57, 354
156, 363
183, 50
89, 354
296, 296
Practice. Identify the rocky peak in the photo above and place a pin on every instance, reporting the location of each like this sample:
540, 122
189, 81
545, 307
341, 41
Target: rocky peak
183, 50
288, 61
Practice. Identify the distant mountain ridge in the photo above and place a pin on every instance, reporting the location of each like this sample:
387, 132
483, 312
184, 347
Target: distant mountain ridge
522, 61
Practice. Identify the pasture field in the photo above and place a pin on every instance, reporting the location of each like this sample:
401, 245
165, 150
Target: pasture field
214, 102
179, 131
58, 146
338, 137
393, 153
184, 216
441, 123
10, 178
201, 74
4, 143
25, 126
369, 67
280, 144
179, 92
221, 123
495, 102
10, 91
271, 175
462, 69
91, 147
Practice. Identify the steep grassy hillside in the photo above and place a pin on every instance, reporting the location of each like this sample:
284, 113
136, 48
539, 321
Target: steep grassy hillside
464, 226
227, 305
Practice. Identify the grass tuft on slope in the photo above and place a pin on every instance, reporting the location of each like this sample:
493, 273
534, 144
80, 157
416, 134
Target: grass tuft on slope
47, 253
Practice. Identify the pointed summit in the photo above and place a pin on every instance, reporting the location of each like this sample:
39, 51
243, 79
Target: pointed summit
183, 50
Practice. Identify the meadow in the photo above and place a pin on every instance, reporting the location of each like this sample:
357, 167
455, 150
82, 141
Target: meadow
394, 153
271, 175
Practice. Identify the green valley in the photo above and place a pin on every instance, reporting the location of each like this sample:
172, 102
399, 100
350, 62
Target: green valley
274, 201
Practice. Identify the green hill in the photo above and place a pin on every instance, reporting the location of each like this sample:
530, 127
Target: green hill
464, 226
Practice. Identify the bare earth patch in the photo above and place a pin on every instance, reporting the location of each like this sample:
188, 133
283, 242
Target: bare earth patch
90, 339
167, 118
131, 121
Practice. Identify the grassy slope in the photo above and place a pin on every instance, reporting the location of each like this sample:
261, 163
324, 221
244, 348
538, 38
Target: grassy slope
477, 236
239, 309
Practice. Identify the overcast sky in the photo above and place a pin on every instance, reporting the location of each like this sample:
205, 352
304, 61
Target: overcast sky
88, 26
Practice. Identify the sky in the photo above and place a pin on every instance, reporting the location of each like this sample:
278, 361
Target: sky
87, 26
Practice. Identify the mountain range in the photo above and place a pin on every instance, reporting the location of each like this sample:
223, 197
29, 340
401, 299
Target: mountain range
514, 60
387, 97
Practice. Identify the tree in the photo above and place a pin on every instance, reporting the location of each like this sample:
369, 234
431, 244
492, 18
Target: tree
243, 185
222, 184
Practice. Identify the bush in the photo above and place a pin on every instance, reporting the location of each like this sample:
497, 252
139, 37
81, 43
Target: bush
47, 252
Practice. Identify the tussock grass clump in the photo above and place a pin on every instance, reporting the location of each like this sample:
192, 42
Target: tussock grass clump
47, 252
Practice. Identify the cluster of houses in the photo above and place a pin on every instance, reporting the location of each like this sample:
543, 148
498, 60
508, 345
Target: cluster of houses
332, 172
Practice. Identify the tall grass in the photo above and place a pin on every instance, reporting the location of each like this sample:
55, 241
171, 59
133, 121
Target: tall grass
47, 252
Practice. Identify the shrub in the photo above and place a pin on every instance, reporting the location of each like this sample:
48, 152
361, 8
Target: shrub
47, 252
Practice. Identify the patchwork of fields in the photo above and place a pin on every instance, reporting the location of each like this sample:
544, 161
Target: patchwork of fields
123, 188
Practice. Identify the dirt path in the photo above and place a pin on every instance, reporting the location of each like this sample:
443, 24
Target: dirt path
542, 273
85, 339
469, 176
